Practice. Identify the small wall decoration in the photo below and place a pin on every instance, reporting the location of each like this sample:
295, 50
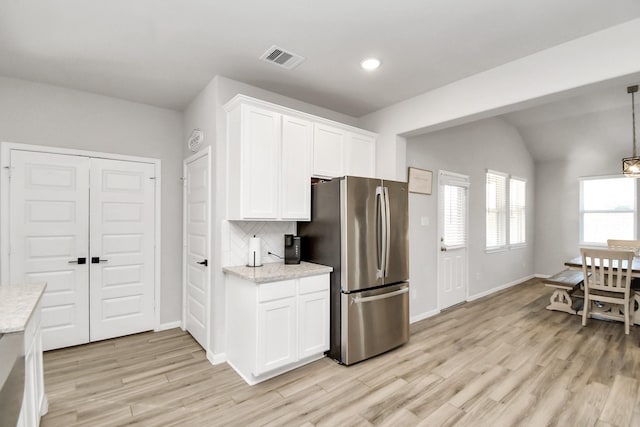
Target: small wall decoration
420, 181
195, 140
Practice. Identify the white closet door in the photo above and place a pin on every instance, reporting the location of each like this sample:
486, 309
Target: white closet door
122, 222
49, 228
197, 253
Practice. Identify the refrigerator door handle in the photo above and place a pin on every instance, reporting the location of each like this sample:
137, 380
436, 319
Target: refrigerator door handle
358, 300
380, 232
387, 232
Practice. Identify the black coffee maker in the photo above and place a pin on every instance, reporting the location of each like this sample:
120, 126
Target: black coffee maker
291, 249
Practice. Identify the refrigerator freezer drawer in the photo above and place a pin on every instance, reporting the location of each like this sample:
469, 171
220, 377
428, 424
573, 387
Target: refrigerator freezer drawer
374, 322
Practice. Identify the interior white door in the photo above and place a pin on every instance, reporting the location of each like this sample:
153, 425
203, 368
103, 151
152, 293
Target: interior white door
196, 248
49, 227
122, 241
453, 218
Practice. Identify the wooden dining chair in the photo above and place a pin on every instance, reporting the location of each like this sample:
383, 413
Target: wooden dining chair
607, 279
625, 245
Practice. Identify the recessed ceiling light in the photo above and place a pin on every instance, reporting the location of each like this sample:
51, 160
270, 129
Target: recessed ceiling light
370, 64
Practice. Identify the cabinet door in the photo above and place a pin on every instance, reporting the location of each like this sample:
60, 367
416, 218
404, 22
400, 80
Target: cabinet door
360, 155
260, 163
328, 143
297, 142
276, 335
313, 319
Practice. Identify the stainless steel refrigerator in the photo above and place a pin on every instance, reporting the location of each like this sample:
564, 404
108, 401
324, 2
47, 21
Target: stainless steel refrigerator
360, 227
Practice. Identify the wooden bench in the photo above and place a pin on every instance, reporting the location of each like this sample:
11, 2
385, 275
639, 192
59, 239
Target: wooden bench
564, 283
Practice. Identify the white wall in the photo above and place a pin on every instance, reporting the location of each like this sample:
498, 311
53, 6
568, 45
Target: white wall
468, 149
40, 114
207, 113
557, 181
532, 80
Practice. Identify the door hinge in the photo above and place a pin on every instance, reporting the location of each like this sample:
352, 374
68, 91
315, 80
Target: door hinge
9, 169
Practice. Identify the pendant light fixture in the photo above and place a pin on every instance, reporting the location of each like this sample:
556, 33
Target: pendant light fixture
631, 165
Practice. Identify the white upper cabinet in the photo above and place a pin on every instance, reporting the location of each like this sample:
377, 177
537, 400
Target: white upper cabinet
338, 152
328, 146
297, 156
273, 151
360, 155
255, 163
260, 145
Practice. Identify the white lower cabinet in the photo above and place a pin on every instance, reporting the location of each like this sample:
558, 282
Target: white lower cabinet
275, 327
313, 318
34, 403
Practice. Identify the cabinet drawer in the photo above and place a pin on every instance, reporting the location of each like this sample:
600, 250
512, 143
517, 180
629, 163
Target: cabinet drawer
313, 284
276, 290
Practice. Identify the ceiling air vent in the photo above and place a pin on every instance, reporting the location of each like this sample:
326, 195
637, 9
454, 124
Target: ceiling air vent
278, 56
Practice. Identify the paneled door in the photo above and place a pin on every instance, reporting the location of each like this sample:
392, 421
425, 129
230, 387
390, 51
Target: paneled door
121, 248
86, 227
453, 217
196, 241
49, 240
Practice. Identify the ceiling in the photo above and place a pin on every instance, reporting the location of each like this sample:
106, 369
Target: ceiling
163, 52
599, 118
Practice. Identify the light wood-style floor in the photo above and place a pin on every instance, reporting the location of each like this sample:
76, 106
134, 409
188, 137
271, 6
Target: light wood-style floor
500, 361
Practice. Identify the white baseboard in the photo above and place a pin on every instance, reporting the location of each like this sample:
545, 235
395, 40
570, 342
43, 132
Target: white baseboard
253, 380
498, 288
424, 315
542, 276
169, 325
216, 358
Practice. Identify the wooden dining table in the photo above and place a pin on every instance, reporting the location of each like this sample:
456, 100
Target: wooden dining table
576, 264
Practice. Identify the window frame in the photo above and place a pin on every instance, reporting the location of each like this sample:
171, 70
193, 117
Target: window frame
581, 210
452, 183
524, 213
507, 213
505, 209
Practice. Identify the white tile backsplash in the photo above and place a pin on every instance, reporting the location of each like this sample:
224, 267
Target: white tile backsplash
237, 233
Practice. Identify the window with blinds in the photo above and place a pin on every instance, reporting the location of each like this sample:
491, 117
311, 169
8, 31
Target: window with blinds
517, 211
608, 209
496, 215
455, 202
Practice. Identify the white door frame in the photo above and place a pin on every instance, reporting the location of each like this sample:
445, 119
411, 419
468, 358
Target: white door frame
5, 150
190, 159
463, 180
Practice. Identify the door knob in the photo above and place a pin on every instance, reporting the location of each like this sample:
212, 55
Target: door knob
78, 261
97, 260
443, 249
205, 263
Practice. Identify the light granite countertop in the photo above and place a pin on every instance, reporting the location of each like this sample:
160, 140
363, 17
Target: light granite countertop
17, 302
273, 272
